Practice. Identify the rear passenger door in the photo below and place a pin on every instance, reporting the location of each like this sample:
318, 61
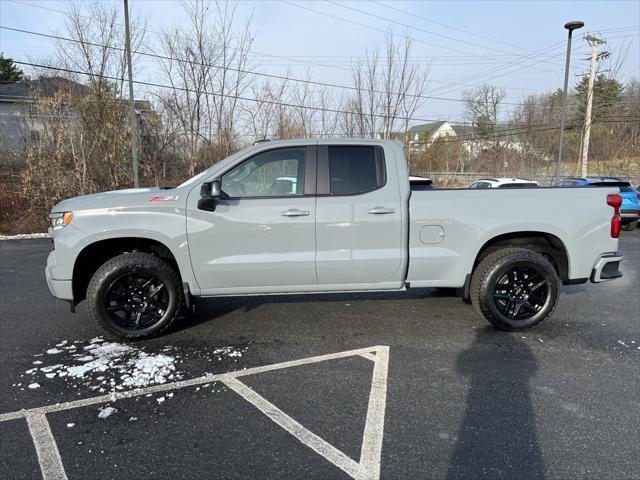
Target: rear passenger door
358, 218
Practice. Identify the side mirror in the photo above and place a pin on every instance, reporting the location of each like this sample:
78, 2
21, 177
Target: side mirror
211, 189
209, 192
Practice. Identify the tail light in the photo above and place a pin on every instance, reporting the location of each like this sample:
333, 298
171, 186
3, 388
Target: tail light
614, 200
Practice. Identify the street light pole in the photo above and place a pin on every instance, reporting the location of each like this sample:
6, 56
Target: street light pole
132, 106
571, 26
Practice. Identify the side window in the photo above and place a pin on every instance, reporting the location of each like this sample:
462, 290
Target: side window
355, 169
482, 185
275, 173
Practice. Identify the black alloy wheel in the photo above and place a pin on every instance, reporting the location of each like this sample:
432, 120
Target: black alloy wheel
520, 293
135, 295
515, 288
136, 300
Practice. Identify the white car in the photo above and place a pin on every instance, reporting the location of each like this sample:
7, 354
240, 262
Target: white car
504, 182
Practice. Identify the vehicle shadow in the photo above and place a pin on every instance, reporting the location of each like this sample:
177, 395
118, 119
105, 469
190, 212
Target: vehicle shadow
209, 309
497, 437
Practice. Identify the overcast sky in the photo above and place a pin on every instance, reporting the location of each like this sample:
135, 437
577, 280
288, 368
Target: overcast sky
467, 42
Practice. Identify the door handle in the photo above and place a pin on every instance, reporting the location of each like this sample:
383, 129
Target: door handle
294, 212
381, 210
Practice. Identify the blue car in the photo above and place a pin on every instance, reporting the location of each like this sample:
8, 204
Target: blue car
630, 208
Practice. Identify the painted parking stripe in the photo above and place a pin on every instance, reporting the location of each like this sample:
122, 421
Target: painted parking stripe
368, 467
46, 448
307, 437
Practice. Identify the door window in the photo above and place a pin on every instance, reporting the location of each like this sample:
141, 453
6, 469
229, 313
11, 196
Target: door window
275, 173
355, 169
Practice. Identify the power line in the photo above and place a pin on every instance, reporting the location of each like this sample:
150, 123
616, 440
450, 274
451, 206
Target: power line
412, 27
414, 15
237, 97
371, 27
63, 12
239, 70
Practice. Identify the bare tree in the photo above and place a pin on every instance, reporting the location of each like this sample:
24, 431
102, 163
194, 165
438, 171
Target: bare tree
206, 67
482, 104
388, 89
261, 116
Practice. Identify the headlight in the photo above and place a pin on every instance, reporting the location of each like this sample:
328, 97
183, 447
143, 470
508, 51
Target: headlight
60, 219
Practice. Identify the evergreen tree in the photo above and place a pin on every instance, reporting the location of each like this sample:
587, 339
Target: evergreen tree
606, 93
8, 70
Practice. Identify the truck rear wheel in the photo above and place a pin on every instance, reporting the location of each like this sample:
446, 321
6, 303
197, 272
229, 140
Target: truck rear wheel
135, 295
515, 288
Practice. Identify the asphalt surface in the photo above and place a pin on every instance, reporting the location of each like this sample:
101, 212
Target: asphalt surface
462, 400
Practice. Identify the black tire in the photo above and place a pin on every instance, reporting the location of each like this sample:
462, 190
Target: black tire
511, 277
145, 286
628, 226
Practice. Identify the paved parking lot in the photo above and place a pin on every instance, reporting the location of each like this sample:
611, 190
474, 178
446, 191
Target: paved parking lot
399, 385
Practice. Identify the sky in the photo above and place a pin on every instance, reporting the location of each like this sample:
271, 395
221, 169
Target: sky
465, 42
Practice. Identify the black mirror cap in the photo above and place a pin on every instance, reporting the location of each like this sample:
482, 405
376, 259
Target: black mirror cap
211, 189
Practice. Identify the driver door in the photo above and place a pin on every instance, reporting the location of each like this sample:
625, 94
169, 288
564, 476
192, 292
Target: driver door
261, 236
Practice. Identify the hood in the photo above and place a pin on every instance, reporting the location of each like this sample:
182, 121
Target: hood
129, 197
630, 200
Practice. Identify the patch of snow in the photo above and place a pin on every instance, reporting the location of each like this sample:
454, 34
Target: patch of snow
71, 425
623, 344
34, 385
107, 367
106, 411
149, 369
160, 400
24, 236
227, 351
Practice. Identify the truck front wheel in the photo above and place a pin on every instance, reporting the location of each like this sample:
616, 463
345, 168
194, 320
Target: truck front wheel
515, 288
135, 295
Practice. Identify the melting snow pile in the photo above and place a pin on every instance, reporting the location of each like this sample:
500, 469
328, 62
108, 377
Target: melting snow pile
108, 366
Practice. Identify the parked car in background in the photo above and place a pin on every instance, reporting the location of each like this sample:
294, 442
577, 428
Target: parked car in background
630, 208
418, 183
503, 183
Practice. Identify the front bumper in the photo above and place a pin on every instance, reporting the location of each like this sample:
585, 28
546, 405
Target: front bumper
62, 289
607, 267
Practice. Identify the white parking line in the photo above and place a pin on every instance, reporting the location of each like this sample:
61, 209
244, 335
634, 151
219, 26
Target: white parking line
371, 451
46, 448
368, 468
307, 437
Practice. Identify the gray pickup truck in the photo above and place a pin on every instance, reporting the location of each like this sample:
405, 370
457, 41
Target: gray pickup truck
305, 216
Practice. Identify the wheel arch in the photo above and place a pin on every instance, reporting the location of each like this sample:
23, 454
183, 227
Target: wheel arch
545, 243
95, 254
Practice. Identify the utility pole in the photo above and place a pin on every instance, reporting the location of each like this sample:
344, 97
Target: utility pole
570, 26
594, 42
132, 106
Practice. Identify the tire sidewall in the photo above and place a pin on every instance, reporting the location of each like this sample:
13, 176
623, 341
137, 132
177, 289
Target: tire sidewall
107, 274
540, 265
